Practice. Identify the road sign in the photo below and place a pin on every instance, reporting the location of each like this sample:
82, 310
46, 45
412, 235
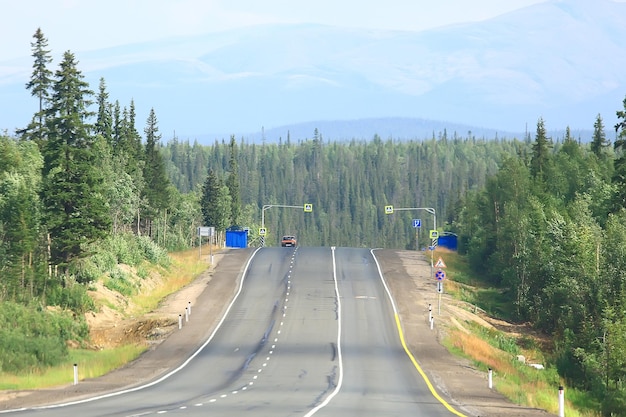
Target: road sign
440, 263
262, 231
440, 275
206, 231
308, 207
439, 287
417, 223
434, 234
388, 209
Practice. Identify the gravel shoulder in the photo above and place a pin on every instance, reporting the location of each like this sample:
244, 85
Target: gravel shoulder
408, 276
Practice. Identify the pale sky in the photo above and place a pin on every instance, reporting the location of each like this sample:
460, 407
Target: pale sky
82, 25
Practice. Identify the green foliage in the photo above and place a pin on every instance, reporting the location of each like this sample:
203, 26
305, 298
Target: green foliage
74, 209
34, 338
232, 182
69, 295
156, 190
120, 281
552, 238
118, 249
496, 339
215, 202
152, 252
619, 176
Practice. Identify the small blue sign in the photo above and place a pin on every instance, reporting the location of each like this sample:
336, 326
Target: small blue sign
417, 223
440, 275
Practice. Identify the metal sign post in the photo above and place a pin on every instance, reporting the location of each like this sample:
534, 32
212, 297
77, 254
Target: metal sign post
417, 223
206, 231
307, 207
440, 275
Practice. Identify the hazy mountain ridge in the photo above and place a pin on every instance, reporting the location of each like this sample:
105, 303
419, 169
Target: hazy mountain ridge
394, 128
561, 60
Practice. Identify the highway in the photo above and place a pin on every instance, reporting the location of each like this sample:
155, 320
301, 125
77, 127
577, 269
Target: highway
311, 331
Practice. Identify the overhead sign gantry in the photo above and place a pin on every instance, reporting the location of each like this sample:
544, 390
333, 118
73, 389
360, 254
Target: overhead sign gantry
307, 207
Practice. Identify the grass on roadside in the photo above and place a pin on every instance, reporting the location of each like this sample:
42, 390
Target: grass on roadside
185, 267
90, 364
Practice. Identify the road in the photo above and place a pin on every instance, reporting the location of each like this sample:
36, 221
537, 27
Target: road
311, 331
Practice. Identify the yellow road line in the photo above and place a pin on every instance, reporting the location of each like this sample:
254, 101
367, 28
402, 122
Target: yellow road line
419, 369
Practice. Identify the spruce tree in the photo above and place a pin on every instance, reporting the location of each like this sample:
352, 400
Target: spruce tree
156, 190
74, 208
619, 177
599, 141
215, 202
39, 86
540, 150
232, 182
104, 123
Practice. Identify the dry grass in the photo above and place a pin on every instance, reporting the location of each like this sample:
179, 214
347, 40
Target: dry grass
186, 266
518, 382
481, 351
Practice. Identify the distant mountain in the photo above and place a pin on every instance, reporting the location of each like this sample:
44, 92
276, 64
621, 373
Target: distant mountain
395, 128
562, 60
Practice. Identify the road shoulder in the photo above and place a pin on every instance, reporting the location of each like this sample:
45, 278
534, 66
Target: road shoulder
408, 275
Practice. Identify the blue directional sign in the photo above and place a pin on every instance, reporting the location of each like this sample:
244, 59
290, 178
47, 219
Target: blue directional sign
440, 275
417, 223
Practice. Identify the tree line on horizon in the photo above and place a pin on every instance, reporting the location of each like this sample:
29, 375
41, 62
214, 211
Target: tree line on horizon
542, 220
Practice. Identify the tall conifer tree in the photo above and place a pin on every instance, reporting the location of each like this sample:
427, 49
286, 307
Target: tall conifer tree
599, 141
619, 177
541, 149
104, 123
156, 189
74, 208
39, 86
232, 182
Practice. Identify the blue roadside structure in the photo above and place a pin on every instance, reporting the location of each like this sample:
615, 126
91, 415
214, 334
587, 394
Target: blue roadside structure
448, 240
236, 238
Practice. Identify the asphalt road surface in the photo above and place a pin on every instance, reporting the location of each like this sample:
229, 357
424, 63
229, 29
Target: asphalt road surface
311, 331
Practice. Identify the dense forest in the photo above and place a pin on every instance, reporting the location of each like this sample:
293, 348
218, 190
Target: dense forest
81, 190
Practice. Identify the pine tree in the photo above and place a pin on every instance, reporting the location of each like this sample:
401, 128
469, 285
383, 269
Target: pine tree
39, 86
74, 209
